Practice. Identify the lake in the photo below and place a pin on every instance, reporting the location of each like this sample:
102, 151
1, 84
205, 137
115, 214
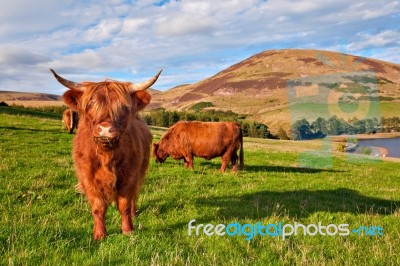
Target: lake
392, 145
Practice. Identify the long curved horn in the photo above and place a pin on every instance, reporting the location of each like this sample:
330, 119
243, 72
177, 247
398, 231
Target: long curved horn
67, 83
146, 84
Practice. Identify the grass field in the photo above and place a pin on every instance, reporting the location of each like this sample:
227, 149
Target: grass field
45, 222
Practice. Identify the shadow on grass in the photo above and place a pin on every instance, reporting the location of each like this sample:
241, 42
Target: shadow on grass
298, 204
268, 168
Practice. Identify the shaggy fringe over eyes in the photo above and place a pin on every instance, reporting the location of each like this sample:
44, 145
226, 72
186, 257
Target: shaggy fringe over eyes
106, 99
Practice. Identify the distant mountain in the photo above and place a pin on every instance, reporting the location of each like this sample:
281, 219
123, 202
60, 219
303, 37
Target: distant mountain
257, 86
27, 96
39, 99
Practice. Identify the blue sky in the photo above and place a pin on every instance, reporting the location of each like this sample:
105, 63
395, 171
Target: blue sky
191, 40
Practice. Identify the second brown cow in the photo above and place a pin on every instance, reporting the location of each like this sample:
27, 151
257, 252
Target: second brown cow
208, 140
70, 120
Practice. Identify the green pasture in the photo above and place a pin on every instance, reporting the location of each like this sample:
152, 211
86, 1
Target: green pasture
44, 221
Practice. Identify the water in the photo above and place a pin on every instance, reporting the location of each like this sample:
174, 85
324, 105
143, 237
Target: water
392, 145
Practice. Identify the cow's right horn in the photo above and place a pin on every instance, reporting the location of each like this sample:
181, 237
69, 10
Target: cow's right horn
146, 84
67, 83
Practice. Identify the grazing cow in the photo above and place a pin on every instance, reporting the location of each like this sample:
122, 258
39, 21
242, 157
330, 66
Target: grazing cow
202, 139
70, 120
111, 149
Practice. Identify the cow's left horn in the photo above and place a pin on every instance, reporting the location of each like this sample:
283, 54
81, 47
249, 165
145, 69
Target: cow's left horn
67, 83
146, 84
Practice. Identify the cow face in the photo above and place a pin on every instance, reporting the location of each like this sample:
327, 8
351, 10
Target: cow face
108, 107
159, 153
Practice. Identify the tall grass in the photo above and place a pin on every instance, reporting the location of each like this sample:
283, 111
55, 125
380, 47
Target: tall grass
45, 222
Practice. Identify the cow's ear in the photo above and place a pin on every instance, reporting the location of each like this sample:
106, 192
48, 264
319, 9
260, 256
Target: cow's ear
142, 98
72, 98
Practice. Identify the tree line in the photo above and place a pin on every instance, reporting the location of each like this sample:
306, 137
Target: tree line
303, 129
300, 130
163, 118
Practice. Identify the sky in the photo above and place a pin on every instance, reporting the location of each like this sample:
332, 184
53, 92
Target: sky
87, 40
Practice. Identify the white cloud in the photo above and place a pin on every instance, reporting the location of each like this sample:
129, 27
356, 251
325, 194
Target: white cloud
105, 30
186, 25
369, 41
12, 56
190, 39
132, 26
386, 8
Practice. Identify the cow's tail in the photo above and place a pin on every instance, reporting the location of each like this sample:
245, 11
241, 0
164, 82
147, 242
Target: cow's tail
241, 153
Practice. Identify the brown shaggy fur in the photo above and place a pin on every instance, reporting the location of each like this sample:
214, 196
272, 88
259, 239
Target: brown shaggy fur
202, 139
112, 170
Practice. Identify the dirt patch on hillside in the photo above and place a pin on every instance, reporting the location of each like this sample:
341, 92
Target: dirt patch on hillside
374, 66
396, 68
188, 97
153, 105
212, 85
308, 60
270, 83
222, 85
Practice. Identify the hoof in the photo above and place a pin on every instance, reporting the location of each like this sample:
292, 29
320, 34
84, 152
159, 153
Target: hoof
99, 236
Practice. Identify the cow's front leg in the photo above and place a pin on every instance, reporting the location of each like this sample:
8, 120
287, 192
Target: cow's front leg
188, 162
99, 208
125, 209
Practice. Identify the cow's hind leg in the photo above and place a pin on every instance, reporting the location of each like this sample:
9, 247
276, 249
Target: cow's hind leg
185, 163
234, 161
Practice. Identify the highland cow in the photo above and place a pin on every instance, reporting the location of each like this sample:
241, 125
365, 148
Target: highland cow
111, 149
208, 140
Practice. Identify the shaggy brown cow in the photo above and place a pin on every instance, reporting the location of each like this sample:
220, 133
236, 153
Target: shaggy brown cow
70, 120
202, 139
111, 149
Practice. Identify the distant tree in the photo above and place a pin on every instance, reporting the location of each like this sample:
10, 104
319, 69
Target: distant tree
320, 125
245, 128
164, 119
262, 131
334, 127
282, 134
391, 124
201, 105
301, 130
173, 117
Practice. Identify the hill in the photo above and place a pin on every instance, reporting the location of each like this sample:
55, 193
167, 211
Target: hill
35, 99
258, 86
30, 98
